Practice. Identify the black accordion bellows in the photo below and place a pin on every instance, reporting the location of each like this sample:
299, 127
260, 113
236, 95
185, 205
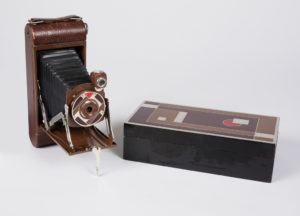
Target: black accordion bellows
58, 71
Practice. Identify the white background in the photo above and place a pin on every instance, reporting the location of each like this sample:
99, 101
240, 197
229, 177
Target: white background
230, 55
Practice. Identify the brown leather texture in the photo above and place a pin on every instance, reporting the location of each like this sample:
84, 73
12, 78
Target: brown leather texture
58, 32
38, 138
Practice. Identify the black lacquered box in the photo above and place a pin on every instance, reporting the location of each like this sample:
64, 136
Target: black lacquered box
213, 141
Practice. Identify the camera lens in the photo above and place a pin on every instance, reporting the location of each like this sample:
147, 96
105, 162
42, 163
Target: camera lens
89, 109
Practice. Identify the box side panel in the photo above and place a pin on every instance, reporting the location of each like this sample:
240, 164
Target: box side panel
217, 155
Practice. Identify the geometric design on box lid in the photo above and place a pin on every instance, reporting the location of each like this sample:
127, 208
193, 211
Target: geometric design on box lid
207, 121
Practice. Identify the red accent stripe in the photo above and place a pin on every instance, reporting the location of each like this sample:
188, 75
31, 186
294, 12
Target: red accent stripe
229, 122
89, 94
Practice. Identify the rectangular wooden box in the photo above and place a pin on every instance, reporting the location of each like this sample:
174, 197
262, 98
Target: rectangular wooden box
213, 141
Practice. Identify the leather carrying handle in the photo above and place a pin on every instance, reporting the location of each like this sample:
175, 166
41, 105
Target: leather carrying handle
53, 20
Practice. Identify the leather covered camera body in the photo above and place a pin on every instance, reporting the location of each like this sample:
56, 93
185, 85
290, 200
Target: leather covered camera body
64, 100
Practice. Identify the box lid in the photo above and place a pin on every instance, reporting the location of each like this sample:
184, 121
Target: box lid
207, 121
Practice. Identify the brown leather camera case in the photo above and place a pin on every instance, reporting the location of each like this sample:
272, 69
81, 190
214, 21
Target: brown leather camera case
45, 34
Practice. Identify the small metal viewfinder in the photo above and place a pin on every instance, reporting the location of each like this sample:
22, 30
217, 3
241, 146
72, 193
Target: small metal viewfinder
101, 82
